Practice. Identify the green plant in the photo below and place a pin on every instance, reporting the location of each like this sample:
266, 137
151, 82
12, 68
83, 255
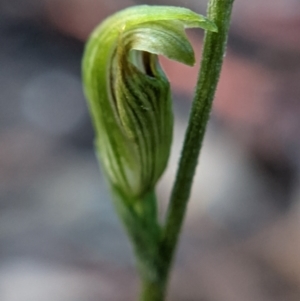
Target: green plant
130, 104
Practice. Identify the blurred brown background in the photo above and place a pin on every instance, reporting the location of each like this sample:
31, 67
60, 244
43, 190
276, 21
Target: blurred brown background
59, 237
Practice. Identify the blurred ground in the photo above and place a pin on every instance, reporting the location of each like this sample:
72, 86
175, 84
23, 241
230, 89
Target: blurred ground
59, 236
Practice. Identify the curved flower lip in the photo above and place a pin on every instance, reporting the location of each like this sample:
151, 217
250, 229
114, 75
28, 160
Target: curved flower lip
129, 95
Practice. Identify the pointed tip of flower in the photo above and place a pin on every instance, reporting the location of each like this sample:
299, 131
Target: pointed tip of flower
212, 26
205, 23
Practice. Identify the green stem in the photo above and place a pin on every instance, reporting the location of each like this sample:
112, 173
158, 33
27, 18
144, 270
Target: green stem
152, 290
219, 11
139, 218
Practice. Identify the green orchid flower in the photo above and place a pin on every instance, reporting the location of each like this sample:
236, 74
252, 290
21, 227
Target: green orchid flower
129, 95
